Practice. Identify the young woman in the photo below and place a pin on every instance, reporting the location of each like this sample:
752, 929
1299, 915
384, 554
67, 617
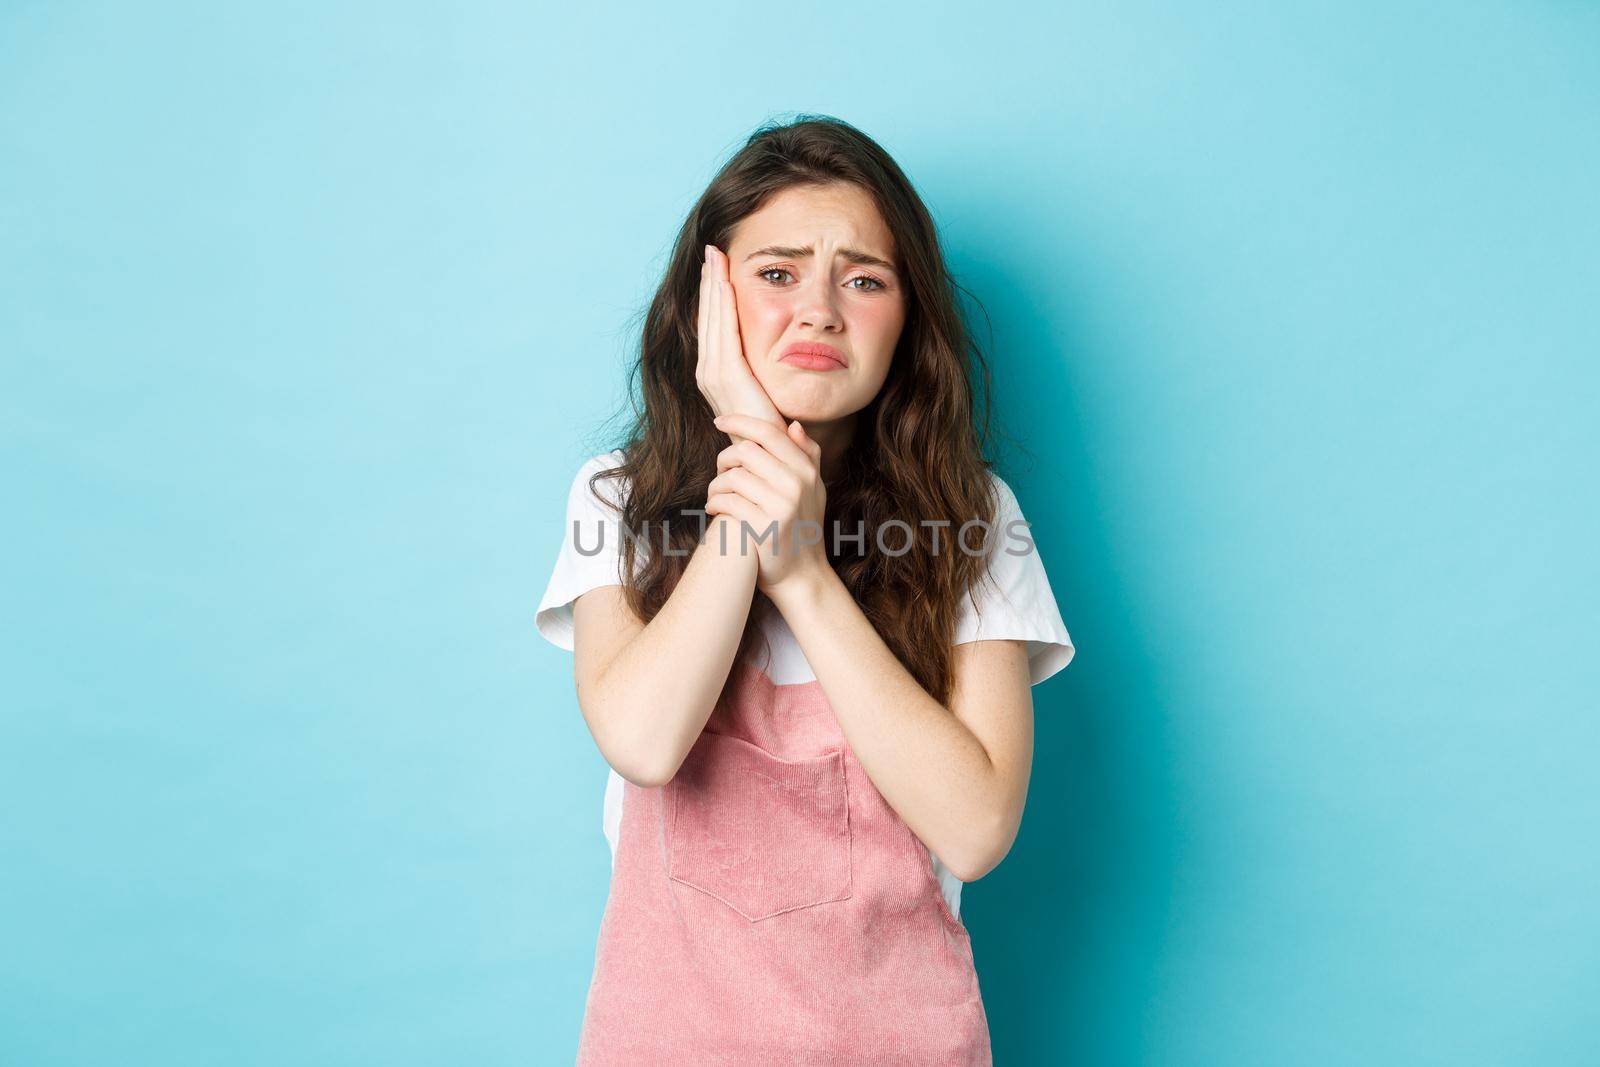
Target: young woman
805, 617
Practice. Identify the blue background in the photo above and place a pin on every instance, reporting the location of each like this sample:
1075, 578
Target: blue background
308, 317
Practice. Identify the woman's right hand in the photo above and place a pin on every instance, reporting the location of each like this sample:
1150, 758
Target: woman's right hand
721, 370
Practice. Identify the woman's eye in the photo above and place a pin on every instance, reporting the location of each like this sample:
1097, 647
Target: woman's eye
873, 286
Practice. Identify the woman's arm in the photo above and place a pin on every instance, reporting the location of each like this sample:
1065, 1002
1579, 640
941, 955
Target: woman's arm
957, 775
646, 690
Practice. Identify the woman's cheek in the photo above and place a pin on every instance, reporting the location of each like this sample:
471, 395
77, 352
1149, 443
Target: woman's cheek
882, 322
882, 318
762, 320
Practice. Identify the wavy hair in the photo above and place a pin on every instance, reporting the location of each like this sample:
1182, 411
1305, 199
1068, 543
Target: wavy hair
917, 453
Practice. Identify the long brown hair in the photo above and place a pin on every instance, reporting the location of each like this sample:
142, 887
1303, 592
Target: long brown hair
917, 453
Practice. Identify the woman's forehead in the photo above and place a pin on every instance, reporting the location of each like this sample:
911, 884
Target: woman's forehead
799, 217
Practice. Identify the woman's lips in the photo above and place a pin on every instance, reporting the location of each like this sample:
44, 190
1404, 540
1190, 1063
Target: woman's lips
808, 355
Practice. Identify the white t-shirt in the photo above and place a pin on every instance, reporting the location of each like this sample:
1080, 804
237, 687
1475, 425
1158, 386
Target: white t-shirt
1018, 604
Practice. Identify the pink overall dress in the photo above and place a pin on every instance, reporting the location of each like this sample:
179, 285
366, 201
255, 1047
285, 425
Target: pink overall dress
768, 907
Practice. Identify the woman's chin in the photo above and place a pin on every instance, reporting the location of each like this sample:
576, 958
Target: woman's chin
809, 402
809, 414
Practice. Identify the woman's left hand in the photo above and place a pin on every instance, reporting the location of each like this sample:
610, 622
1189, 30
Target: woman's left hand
772, 481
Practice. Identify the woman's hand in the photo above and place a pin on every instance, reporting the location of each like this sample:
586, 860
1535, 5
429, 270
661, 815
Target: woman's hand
721, 370
772, 481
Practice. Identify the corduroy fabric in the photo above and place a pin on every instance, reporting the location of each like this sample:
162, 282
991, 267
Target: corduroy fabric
767, 906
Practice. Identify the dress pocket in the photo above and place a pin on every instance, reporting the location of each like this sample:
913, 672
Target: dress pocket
763, 835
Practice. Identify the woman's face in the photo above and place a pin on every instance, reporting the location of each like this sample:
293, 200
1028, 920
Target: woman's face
816, 265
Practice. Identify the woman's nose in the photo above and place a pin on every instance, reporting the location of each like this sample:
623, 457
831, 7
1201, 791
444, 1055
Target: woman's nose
817, 307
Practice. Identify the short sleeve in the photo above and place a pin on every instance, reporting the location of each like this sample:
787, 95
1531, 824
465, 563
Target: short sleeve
590, 555
1015, 601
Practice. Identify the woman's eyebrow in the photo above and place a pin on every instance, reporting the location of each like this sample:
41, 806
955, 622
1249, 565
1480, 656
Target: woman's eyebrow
854, 255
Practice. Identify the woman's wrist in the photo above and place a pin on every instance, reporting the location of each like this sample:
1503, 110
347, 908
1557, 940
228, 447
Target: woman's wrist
721, 538
804, 586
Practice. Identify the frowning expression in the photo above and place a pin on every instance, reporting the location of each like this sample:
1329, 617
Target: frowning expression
820, 300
